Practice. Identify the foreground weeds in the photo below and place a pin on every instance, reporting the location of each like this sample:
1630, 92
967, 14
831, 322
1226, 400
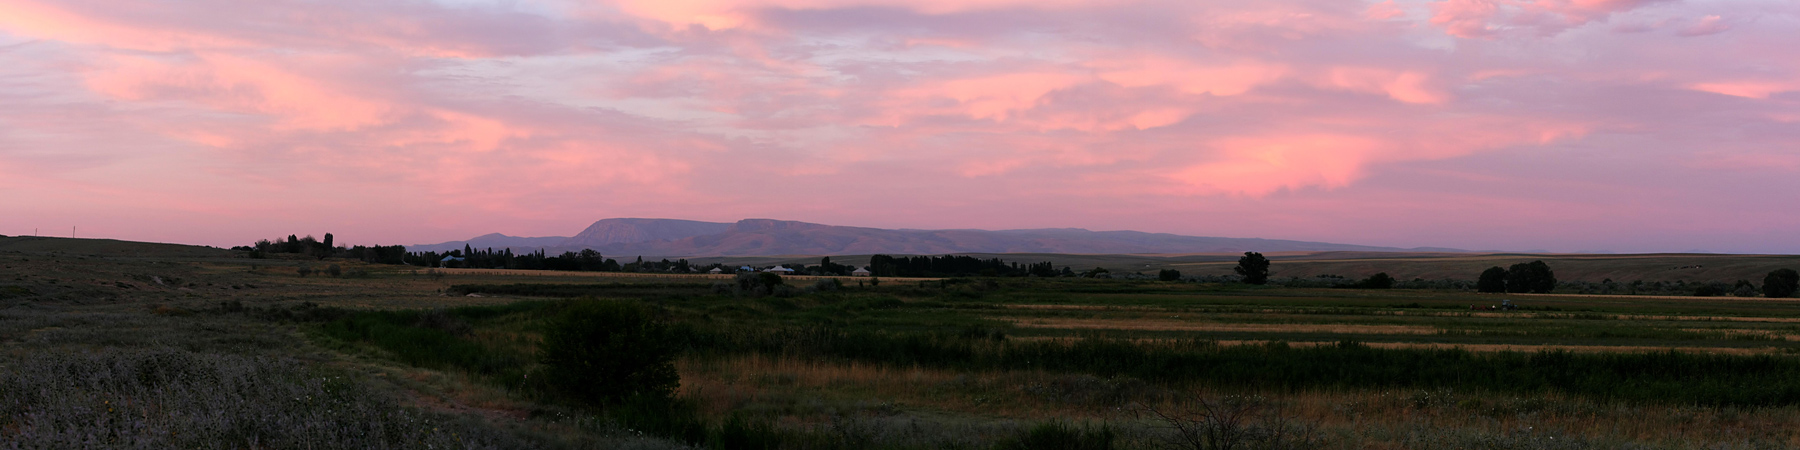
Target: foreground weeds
167, 398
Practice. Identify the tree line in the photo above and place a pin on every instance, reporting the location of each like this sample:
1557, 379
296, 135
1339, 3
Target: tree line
1252, 268
959, 266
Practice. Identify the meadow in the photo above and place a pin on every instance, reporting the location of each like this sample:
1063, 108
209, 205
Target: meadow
142, 347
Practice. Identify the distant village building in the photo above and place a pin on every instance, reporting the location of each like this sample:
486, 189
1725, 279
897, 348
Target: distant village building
447, 260
746, 269
716, 271
780, 270
860, 272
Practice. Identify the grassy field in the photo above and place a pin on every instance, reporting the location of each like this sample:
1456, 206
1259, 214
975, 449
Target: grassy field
128, 345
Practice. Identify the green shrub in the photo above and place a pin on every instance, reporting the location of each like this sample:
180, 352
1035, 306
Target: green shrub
604, 351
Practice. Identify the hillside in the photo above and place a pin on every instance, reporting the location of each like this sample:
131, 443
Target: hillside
767, 237
107, 247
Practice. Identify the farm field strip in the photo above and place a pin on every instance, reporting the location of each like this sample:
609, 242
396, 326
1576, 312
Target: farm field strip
1176, 325
1401, 312
1470, 347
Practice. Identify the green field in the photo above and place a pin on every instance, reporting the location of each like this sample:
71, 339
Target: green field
394, 356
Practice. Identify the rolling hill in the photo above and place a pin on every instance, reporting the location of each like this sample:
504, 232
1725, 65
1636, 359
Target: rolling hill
767, 237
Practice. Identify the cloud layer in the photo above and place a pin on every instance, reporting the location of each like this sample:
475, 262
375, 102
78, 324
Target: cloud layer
1624, 125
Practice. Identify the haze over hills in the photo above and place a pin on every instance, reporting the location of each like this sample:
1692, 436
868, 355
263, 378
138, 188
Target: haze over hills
764, 237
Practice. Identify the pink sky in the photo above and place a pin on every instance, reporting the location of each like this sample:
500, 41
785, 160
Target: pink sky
1562, 125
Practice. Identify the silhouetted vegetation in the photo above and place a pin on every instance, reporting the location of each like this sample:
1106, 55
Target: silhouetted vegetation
606, 351
1492, 280
1781, 283
1534, 277
955, 265
1253, 267
1377, 281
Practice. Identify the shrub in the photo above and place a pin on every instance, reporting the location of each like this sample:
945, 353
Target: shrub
601, 352
304, 270
769, 279
1711, 289
334, 270
1534, 277
1377, 281
1168, 275
1743, 289
1781, 283
1492, 280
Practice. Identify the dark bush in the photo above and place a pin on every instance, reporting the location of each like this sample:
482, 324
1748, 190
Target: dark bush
1781, 283
1534, 277
1492, 280
1712, 289
1168, 275
1743, 288
334, 270
603, 351
1377, 281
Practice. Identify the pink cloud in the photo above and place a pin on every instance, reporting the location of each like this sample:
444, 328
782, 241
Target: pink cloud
1473, 19
1747, 89
1708, 25
535, 117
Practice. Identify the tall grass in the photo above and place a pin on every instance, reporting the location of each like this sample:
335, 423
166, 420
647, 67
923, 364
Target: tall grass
165, 398
409, 338
1656, 377
1651, 377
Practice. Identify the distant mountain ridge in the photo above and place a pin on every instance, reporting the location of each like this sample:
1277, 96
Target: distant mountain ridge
767, 237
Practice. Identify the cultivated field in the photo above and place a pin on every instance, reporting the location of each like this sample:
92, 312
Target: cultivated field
127, 345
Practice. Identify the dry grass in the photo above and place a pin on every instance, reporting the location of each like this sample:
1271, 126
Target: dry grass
696, 277
815, 389
1181, 325
807, 391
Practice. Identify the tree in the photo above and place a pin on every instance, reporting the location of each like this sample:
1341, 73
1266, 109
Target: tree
1743, 288
607, 351
1377, 281
1254, 268
1492, 280
1781, 283
327, 240
1168, 275
1534, 277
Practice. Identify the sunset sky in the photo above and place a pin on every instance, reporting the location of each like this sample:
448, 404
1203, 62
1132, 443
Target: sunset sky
1560, 125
